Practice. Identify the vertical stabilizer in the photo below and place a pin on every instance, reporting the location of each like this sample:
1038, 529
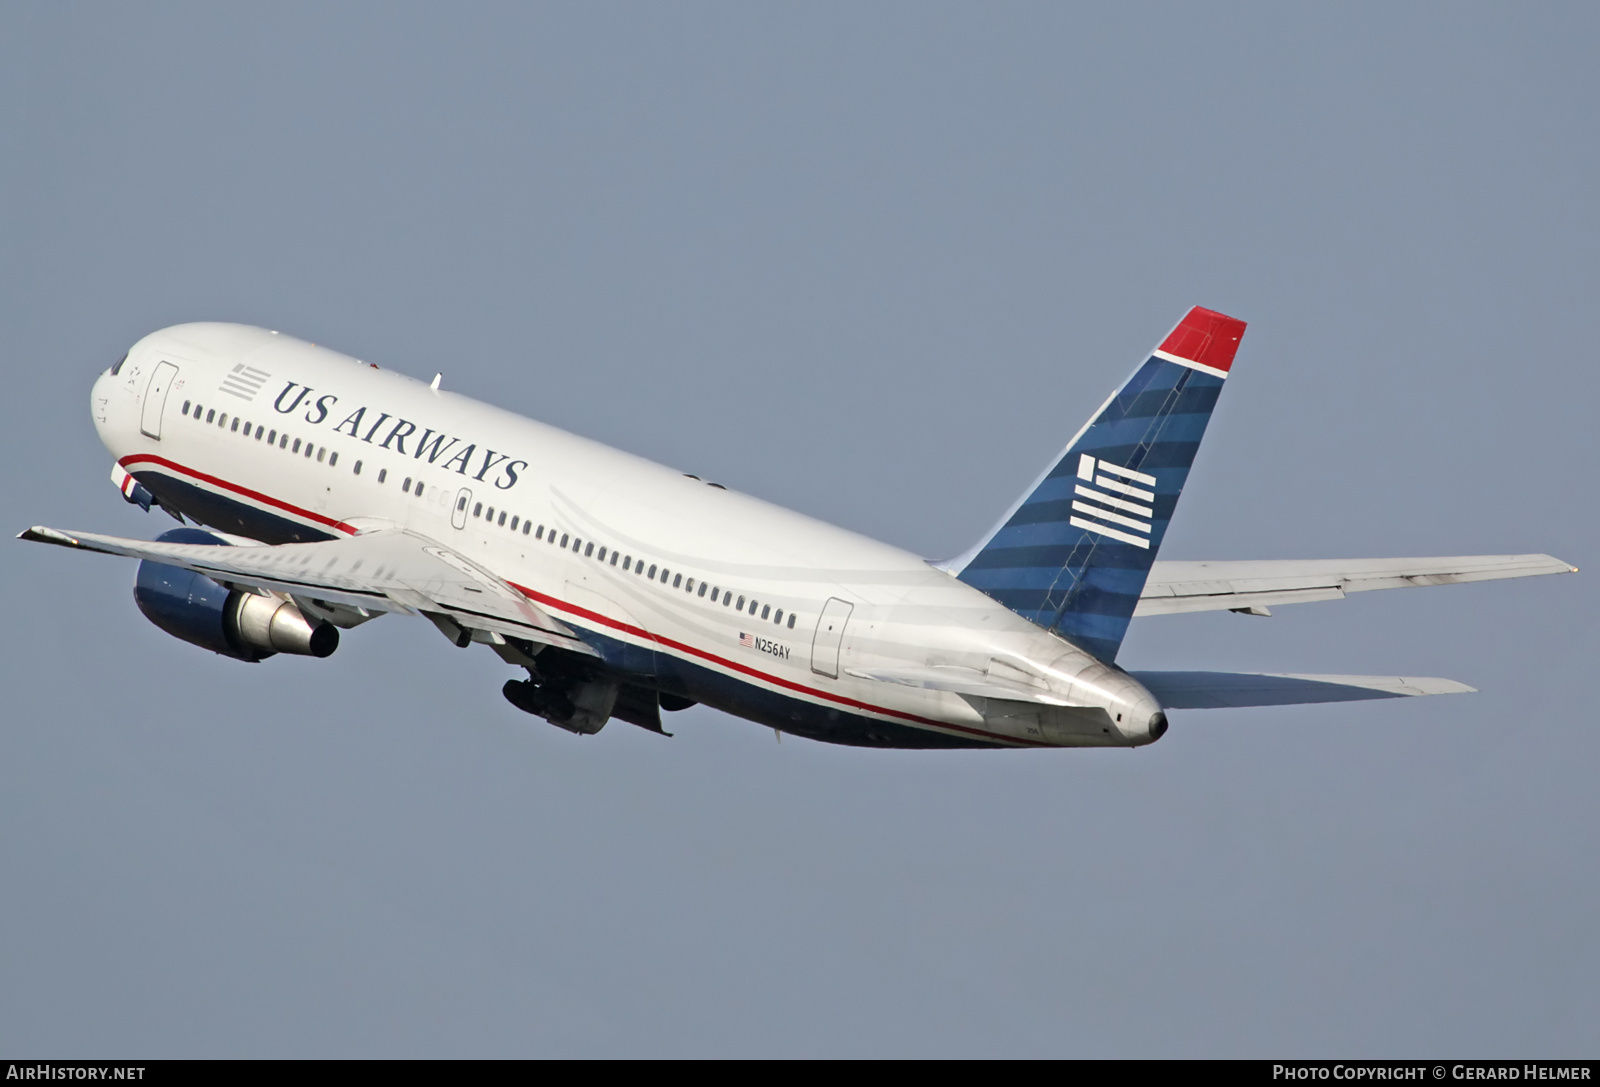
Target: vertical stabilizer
1072, 555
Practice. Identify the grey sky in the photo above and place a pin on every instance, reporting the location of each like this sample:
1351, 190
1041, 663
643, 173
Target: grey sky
876, 263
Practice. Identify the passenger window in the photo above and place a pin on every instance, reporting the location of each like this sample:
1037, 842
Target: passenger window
627, 563
777, 616
383, 474
664, 574
602, 555
235, 426
272, 438
185, 403
461, 503
752, 607
406, 486
211, 415
714, 596
322, 451
477, 509
540, 534
357, 468
791, 620
333, 459
688, 586
727, 598
490, 513
260, 430
564, 538
741, 603
614, 557
514, 523
283, 442
652, 574
308, 451
297, 445
677, 581
588, 552
702, 588
765, 612
222, 420
526, 525
502, 520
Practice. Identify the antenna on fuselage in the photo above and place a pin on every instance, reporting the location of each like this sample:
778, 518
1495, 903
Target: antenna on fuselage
434, 384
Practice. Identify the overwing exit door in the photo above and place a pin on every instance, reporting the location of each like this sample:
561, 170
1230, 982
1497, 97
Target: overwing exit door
458, 516
155, 399
830, 632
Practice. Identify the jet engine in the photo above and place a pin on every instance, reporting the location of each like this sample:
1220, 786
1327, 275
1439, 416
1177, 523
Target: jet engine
579, 694
581, 705
243, 625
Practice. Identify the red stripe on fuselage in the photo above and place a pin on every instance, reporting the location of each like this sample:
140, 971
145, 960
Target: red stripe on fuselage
265, 499
639, 632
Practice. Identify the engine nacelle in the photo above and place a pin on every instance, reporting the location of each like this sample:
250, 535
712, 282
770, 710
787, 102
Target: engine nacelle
241, 625
583, 706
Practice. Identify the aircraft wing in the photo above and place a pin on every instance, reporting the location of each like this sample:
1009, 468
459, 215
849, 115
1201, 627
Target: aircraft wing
1255, 585
1215, 690
387, 570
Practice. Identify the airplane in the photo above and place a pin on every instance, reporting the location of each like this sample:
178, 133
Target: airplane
316, 492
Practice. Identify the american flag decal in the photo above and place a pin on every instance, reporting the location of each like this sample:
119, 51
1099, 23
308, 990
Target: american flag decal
244, 381
1125, 513
747, 640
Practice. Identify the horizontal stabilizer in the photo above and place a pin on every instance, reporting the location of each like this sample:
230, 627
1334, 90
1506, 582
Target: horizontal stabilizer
1218, 690
1227, 586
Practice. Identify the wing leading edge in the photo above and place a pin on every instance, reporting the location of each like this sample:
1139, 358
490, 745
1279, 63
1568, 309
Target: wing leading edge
1255, 585
387, 570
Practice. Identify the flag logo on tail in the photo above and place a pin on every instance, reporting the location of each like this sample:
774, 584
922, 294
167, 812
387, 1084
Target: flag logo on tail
1120, 508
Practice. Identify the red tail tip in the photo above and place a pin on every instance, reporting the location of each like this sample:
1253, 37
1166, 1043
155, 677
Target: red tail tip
1207, 337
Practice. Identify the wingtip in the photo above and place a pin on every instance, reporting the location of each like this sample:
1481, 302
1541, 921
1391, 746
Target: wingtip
43, 534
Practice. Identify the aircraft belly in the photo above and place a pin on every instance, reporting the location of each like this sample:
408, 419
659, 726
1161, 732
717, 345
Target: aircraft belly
227, 514
834, 724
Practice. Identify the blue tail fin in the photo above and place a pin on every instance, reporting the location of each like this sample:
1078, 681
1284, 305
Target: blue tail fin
1073, 554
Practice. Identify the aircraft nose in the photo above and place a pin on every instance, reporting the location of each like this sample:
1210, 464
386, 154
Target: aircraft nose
108, 390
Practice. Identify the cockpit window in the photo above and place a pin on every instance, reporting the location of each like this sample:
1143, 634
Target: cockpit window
117, 369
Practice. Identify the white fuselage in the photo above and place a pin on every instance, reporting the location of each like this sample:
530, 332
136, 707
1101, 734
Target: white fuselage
266, 436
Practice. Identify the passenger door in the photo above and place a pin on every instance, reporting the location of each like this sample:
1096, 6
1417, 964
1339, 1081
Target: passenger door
155, 399
830, 633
